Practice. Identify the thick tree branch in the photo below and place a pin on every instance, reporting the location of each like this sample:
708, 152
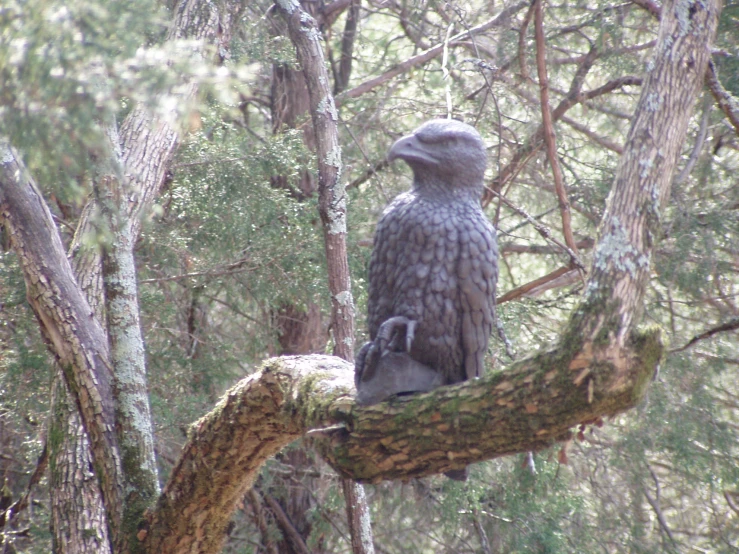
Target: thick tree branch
528, 406
253, 421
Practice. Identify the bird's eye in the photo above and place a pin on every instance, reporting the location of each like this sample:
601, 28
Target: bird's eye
431, 139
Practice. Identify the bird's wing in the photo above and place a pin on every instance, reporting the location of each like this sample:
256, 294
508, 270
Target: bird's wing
478, 273
386, 251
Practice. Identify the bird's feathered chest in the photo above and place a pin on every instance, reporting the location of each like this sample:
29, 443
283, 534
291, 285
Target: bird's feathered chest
433, 260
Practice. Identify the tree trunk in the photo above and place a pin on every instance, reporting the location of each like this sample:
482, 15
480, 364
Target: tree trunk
304, 34
144, 152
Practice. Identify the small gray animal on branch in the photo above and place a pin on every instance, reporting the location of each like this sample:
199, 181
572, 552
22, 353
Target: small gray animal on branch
433, 269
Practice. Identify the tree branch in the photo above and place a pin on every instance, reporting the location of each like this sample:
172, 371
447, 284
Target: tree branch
67, 322
530, 405
728, 104
731, 325
457, 40
554, 276
541, 229
548, 127
529, 148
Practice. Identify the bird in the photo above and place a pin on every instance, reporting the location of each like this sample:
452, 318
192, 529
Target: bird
433, 269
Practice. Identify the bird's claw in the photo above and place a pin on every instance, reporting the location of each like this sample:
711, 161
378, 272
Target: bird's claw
391, 332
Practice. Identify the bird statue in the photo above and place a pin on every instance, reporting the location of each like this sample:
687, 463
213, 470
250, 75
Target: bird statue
433, 270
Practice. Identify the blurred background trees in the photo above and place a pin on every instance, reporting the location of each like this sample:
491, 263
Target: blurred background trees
232, 267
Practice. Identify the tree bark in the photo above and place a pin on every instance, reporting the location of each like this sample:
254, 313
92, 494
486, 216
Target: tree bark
68, 325
77, 510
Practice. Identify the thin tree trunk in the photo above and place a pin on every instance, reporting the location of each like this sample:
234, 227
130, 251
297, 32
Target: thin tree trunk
332, 207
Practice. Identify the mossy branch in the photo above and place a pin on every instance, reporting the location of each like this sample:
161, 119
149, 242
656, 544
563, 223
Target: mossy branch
528, 406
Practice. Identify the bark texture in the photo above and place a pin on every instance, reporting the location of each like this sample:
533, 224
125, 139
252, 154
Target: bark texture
67, 321
253, 421
631, 223
77, 510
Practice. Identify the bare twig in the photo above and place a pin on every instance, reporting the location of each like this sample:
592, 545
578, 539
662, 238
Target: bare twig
603, 141
256, 508
430, 54
511, 248
217, 271
732, 499
22, 503
548, 126
697, 146
649, 5
286, 526
518, 292
542, 230
523, 66
378, 166
731, 325
484, 542
531, 146
654, 503
610, 86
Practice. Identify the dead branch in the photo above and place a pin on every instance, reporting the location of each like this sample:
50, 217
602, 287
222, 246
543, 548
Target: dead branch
523, 290
534, 142
731, 325
501, 19
22, 503
541, 229
728, 104
513, 248
603, 141
523, 66
548, 127
286, 526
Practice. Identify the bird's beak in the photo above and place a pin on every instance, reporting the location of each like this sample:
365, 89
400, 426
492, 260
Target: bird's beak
410, 149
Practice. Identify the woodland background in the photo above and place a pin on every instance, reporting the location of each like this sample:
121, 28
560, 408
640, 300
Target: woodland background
231, 264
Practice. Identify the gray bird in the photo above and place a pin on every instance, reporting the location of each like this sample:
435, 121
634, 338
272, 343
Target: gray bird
433, 269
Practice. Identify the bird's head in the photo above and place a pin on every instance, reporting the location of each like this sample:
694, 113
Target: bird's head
443, 152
